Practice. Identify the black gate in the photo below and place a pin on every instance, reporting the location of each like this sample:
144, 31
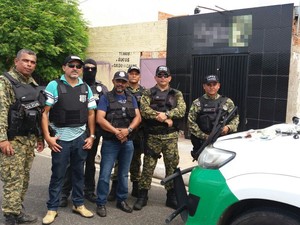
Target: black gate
232, 71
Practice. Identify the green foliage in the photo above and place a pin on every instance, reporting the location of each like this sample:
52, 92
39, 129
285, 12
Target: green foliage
53, 29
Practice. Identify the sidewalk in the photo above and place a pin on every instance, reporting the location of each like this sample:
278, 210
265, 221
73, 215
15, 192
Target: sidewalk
186, 161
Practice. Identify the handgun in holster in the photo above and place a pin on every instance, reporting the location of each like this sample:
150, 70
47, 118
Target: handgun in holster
52, 132
150, 152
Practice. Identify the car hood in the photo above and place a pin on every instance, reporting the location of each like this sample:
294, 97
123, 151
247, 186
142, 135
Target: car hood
273, 150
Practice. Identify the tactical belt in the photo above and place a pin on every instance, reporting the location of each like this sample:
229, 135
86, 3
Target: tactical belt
162, 130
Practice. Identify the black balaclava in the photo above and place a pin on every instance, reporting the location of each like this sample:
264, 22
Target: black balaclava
89, 76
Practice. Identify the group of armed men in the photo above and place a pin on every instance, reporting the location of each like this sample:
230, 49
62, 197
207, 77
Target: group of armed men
71, 114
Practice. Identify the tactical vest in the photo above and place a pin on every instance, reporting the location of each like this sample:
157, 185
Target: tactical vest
162, 102
138, 94
209, 110
97, 90
120, 115
71, 109
24, 116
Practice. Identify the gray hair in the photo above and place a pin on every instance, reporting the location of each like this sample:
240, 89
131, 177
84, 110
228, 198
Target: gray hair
25, 51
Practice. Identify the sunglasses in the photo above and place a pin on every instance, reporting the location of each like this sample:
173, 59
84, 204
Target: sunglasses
78, 66
160, 75
90, 68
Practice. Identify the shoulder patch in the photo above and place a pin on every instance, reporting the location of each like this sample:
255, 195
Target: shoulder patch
197, 103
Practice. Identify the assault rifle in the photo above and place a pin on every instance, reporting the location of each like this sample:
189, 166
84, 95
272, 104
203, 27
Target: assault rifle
217, 128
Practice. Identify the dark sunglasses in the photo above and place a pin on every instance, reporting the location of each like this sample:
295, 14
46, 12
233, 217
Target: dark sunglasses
90, 68
78, 66
160, 75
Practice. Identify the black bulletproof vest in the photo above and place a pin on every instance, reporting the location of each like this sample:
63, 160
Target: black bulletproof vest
71, 109
24, 115
119, 114
208, 113
162, 102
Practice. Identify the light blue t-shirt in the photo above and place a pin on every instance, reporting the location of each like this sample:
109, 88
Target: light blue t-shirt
67, 133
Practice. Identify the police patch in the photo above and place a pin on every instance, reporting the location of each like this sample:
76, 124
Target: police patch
99, 88
96, 96
82, 98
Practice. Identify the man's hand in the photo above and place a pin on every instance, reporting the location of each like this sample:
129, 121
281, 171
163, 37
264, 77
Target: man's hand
53, 145
161, 116
88, 143
40, 145
122, 134
6, 148
169, 122
225, 130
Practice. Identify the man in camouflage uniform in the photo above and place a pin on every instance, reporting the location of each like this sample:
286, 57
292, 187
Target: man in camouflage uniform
162, 108
134, 77
17, 149
203, 113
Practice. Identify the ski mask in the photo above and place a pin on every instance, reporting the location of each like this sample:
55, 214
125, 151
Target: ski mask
89, 75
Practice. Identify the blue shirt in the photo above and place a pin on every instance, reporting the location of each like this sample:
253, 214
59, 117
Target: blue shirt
67, 133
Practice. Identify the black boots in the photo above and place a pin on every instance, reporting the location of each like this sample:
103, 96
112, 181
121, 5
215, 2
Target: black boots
135, 189
11, 219
171, 199
142, 200
112, 195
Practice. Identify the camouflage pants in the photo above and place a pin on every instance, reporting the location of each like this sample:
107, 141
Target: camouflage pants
135, 165
15, 174
166, 145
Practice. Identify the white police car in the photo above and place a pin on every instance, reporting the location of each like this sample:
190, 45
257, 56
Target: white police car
246, 178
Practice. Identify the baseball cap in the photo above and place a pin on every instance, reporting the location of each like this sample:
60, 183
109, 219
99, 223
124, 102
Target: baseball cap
121, 75
163, 69
71, 58
133, 68
211, 78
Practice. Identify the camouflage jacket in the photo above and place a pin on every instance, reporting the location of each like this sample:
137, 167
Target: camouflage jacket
7, 98
195, 109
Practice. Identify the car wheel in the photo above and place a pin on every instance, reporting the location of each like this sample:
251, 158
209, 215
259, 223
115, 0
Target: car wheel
267, 216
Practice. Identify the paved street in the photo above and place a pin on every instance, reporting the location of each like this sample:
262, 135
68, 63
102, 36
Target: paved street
154, 213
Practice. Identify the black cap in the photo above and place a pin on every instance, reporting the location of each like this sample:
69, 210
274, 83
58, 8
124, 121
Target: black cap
211, 78
133, 68
121, 75
71, 58
163, 69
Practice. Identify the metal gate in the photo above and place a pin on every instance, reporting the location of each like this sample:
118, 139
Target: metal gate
232, 71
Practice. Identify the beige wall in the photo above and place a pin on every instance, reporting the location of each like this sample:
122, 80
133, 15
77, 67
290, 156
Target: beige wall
293, 103
119, 47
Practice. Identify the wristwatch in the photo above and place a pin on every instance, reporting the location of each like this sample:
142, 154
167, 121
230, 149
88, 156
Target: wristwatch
130, 129
93, 136
167, 114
